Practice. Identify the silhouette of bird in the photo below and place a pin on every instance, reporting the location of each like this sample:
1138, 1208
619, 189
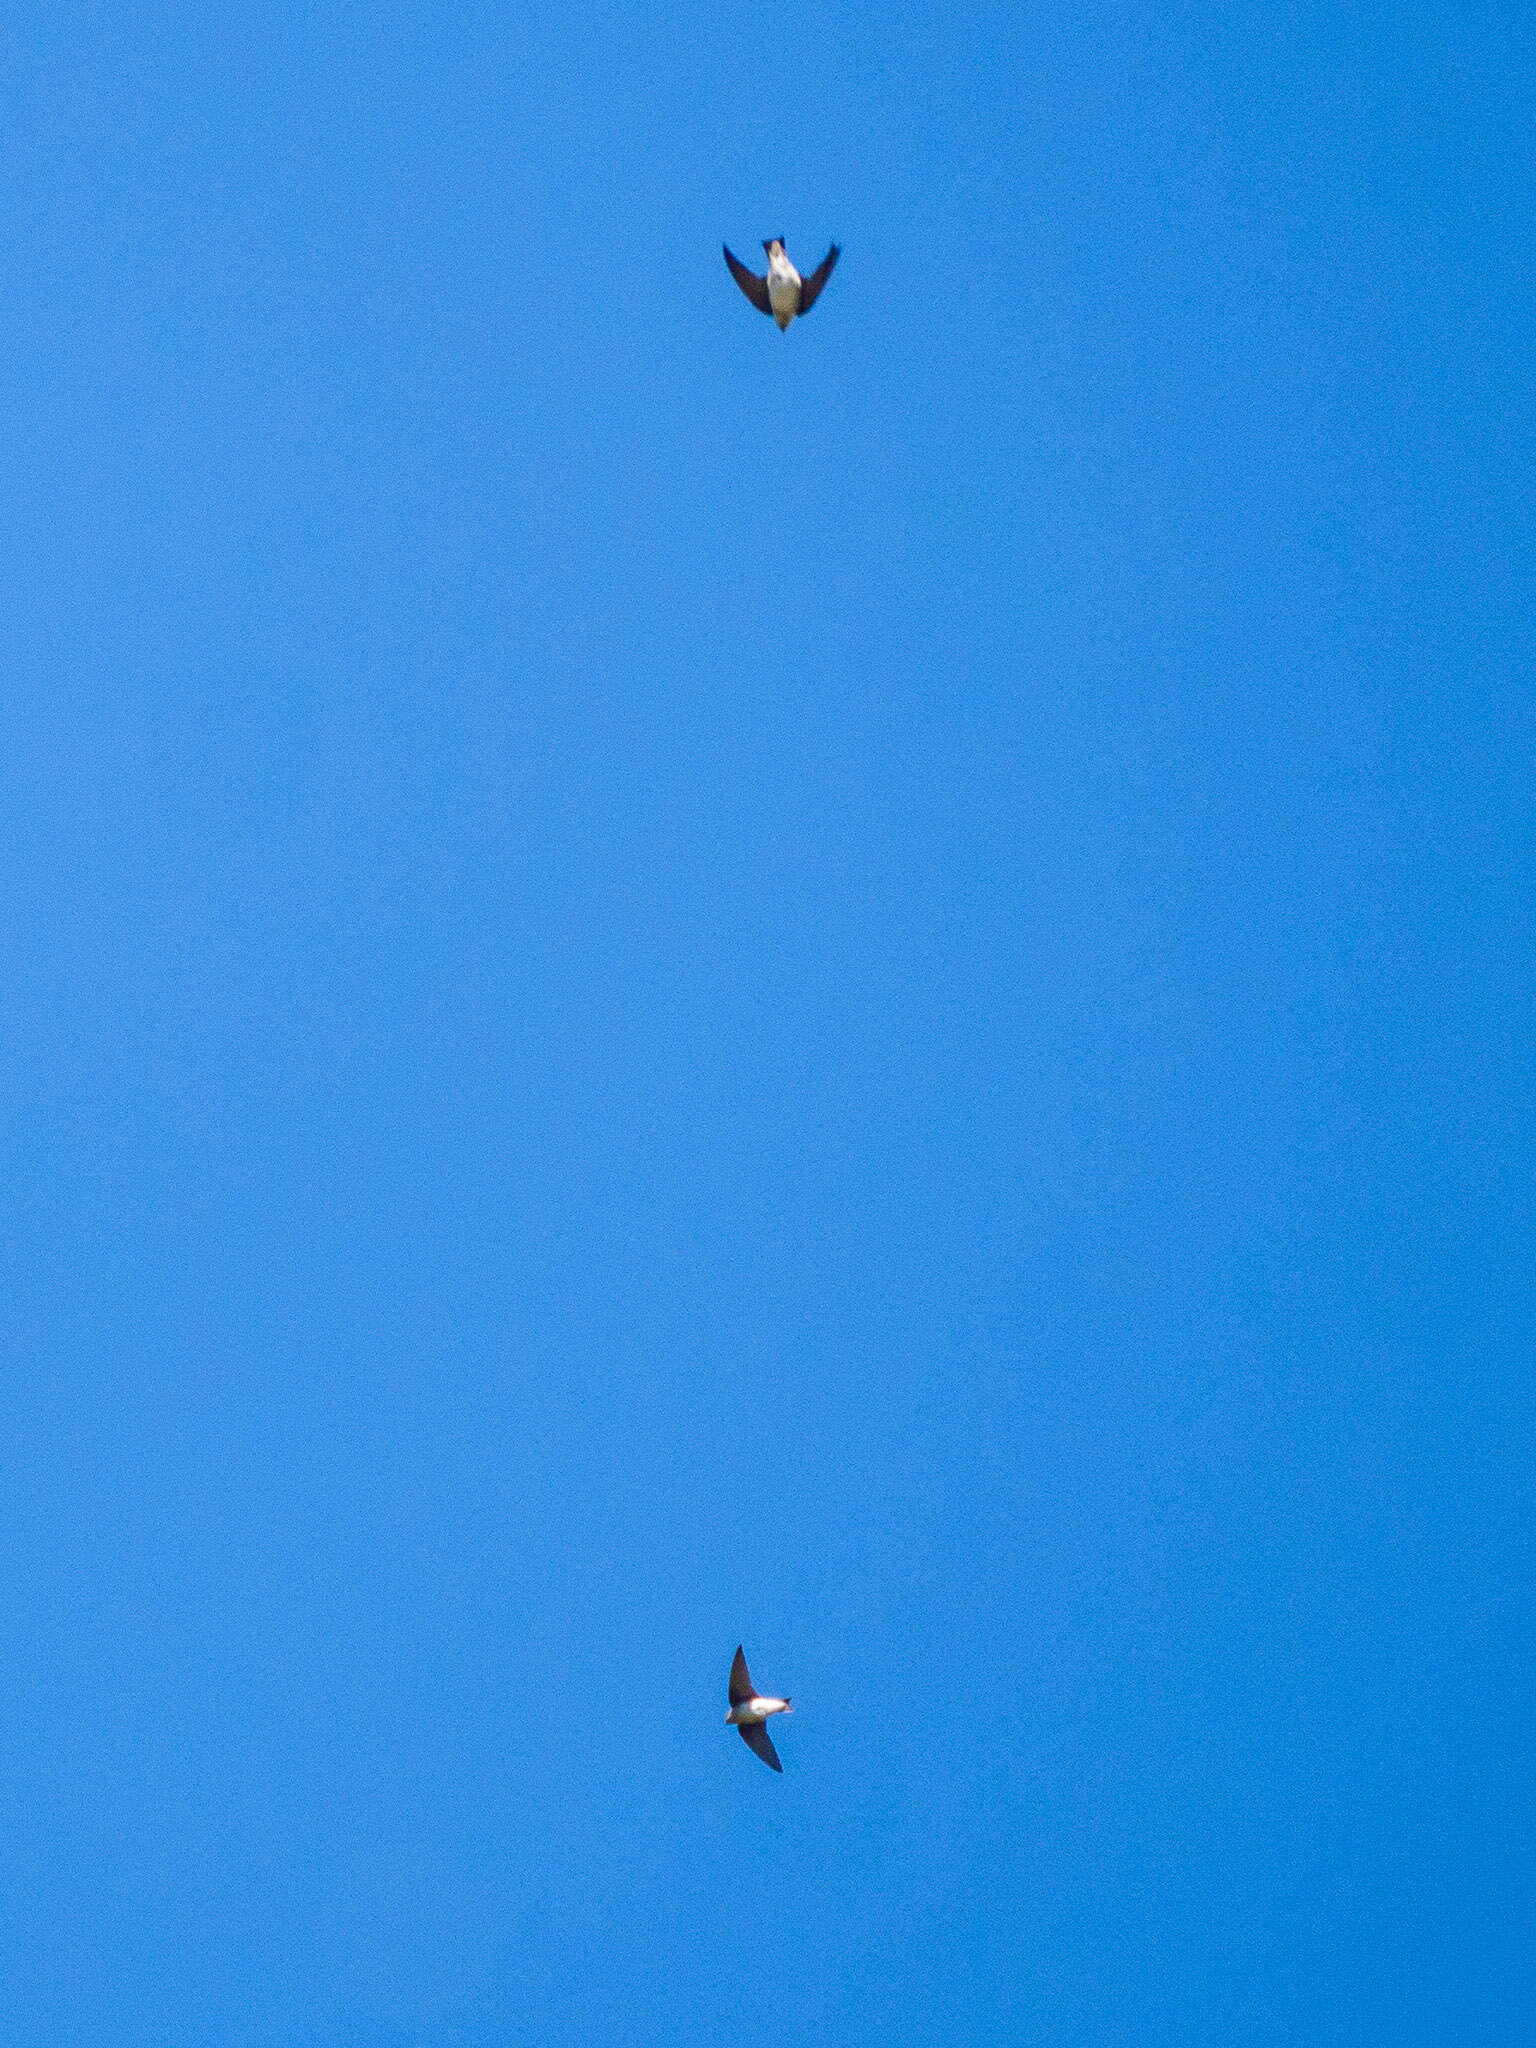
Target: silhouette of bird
750, 1710
783, 293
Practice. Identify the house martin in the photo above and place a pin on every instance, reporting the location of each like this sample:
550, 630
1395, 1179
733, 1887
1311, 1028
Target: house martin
783, 293
750, 1710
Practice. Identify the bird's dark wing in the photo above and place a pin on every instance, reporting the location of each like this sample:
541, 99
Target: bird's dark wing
755, 1735
741, 1684
810, 287
755, 287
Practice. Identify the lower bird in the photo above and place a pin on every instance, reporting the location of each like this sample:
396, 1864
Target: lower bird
783, 292
750, 1710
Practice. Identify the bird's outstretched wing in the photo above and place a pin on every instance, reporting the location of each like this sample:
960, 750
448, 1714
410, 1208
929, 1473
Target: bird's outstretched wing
755, 287
741, 1687
810, 287
755, 1735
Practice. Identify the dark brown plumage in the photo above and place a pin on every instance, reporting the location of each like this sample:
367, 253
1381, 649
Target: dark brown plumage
755, 287
755, 1735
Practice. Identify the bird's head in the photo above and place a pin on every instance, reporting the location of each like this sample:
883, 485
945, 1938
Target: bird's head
776, 245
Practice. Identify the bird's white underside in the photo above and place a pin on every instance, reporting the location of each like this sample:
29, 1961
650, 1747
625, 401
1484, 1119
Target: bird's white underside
783, 289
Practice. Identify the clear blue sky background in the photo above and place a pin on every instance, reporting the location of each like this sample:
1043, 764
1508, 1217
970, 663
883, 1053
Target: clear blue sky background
869, 991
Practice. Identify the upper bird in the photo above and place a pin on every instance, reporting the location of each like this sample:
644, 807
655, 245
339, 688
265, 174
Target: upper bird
750, 1710
783, 292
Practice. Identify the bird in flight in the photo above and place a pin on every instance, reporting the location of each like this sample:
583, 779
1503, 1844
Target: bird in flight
750, 1710
783, 292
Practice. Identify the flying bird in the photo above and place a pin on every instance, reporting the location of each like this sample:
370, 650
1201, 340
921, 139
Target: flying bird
750, 1710
783, 292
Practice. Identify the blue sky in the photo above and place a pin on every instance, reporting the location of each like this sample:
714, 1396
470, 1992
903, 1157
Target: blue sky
868, 992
